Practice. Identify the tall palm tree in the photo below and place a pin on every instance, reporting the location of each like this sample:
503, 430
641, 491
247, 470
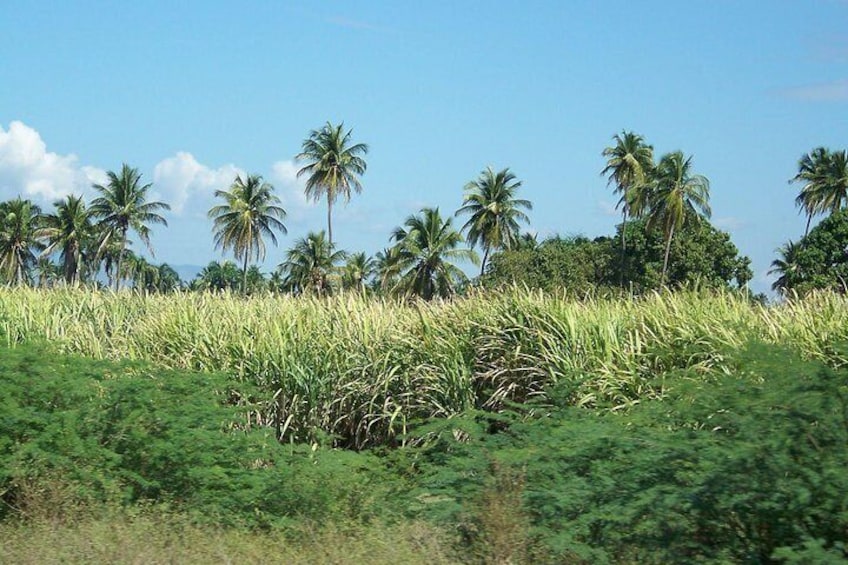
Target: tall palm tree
250, 212
629, 165
678, 196
787, 267
123, 205
427, 245
310, 263
67, 231
495, 212
812, 172
19, 223
333, 166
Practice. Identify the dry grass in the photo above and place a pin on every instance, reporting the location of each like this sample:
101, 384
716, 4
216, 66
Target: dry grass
149, 538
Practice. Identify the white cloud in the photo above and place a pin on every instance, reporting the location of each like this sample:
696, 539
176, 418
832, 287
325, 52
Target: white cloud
729, 223
836, 91
290, 189
181, 179
28, 169
608, 209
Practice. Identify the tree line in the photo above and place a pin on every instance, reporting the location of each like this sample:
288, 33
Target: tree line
664, 238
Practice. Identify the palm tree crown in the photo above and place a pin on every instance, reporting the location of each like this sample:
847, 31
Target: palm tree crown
678, 195
824, 175
249, 214
121, 206
68, 230
333, 166
787, 267
427, 244
495, 212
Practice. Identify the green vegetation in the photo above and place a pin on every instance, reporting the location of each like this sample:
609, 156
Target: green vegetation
701, 255
355, 372
739, 459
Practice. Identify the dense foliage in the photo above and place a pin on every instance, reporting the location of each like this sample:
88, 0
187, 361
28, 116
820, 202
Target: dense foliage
701, 255
818, 261
741, 465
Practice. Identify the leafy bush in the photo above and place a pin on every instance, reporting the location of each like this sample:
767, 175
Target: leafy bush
748, 466
82, 432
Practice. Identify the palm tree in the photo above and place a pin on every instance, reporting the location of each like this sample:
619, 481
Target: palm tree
217, 276
249, 213
333, 166
495, 212
812, 173
388, 265
121, 206
19, 223
629, 165
787, 267
310, 263
356, 271
68, 231
678, 196
427, 244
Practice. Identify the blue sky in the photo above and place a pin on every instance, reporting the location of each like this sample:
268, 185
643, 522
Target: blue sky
193, 92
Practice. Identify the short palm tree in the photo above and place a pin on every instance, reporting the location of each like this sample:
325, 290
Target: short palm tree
356, 271
19, 223
495, 212
388, 265
786, 266
630, 163
428, 243
333, 166
249, 214
67, 231
678, 196
310, 263
123, 205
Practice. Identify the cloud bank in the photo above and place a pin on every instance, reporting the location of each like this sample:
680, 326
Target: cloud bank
28, 169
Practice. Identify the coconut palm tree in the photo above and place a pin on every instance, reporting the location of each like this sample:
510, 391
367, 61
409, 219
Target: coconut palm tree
678, 196
217, 276
67, 231
310, 263
787, 267
122, 206
812, 172
495, 212
629, 165
19, 224
388, 265
333, 166
249, 214
356, 271
428, 243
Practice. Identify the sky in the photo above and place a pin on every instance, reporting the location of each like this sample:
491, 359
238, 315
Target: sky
194, 93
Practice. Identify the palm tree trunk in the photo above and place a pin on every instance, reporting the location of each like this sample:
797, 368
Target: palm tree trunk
809, 219
244, 275
665, 260
329, 221
120, 259
623, 244
485, 257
